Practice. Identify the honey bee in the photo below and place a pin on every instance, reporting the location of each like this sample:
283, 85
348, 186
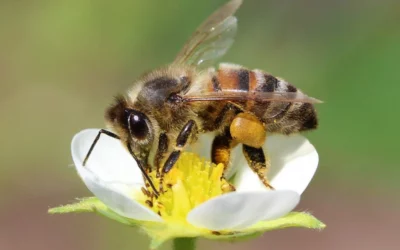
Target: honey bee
168, 108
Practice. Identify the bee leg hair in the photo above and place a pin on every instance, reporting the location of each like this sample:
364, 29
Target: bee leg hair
258, 163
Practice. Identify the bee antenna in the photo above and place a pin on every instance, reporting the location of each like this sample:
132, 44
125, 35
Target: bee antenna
142, 169
103, 131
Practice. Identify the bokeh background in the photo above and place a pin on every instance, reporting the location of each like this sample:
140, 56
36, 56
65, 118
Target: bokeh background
62, 61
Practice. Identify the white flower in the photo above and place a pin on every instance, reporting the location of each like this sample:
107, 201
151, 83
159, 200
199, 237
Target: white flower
114, 178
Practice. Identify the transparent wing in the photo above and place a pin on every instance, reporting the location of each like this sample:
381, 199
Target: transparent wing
213, 37
235, 95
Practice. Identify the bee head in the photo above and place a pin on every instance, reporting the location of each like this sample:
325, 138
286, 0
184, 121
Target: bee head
133, 126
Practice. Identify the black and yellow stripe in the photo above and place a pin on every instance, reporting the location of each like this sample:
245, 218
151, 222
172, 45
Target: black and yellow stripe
280, 117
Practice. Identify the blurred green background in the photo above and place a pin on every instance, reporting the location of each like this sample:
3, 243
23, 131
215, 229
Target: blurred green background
62, 61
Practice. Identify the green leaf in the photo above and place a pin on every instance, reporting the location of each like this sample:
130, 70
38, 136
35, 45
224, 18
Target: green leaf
91, 205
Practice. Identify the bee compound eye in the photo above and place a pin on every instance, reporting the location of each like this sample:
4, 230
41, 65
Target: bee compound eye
138, 125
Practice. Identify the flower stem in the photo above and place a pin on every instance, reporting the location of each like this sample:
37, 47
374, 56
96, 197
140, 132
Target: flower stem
184, 244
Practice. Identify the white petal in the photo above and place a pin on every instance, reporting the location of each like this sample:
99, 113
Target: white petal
111, 174
202, 147
116, 200
109, 160
247, 180
238, 210
294, 161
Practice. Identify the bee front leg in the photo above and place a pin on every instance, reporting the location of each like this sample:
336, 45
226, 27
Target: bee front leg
181, 141
187, 132
162, 149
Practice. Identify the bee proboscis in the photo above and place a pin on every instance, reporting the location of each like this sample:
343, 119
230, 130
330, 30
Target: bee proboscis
166, 109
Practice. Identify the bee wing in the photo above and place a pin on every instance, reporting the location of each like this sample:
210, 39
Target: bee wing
213, 37
235, 95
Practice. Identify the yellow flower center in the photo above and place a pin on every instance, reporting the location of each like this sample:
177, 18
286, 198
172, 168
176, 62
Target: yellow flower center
190, 182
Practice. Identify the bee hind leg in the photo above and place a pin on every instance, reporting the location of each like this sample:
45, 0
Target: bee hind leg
247, 129
258, 163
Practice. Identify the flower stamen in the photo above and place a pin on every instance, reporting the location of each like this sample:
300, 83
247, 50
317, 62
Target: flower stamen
190, 182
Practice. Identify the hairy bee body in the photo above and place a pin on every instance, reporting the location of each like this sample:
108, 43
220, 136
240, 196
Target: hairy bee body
160, 94
167, 109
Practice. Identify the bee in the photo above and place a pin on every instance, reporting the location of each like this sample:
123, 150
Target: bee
166, 109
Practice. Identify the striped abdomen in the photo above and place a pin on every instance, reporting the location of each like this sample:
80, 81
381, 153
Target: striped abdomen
279, 117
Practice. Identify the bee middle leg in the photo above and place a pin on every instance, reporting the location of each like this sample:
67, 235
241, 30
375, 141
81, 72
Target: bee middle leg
221, 152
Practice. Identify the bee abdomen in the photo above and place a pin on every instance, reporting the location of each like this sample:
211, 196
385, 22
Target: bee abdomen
279, 117
235, 77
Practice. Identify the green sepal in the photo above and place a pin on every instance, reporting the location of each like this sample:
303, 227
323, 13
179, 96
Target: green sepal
91, 205
156, 243
293, 219
84, 205
157, 231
